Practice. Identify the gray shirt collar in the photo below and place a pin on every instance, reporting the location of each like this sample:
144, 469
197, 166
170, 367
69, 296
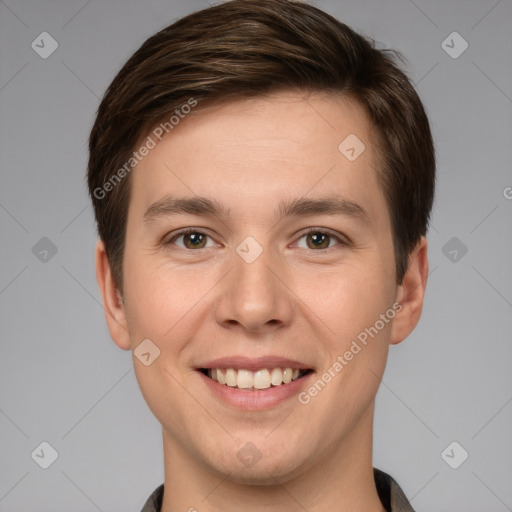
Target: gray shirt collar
391, 495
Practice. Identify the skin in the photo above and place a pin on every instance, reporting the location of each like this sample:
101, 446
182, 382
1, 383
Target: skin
295, 300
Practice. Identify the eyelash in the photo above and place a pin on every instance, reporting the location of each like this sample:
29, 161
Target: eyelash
341, 242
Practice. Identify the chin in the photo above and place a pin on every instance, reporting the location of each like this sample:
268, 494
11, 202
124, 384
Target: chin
263, 469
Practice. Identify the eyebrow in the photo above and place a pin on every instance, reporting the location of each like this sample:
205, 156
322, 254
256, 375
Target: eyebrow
301, 207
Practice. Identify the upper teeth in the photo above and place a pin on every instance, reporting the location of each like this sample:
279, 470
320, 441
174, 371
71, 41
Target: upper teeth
245, 379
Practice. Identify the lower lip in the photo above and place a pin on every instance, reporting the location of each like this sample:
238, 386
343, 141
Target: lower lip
255, 400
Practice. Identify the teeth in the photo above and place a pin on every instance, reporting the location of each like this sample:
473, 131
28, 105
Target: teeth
231, 377
244, 379
262, 379
277, 376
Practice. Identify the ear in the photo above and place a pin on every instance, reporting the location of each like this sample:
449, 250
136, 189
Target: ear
112, 300
410, 294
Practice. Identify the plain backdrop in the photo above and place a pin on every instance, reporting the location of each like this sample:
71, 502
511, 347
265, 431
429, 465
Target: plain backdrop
65, 383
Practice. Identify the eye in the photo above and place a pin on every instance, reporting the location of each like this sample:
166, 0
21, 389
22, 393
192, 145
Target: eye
316, 238
321, 239
192, 239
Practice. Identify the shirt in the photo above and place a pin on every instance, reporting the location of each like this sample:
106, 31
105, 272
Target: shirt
391, 495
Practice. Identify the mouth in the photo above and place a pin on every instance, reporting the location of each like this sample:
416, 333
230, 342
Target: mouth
258, 383
262, 379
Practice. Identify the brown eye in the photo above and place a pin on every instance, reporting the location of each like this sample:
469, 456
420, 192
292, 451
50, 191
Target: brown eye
191, 239
320, 239
194, 240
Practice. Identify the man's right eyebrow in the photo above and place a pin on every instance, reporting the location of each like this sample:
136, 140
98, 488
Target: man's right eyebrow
168, 206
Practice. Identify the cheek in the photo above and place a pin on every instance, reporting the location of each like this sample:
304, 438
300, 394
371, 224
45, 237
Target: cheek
362, 313
350, 303
349, 298
165, 298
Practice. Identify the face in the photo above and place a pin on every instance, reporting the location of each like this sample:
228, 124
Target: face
259, 250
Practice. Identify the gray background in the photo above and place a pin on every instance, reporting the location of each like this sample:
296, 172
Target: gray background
63, 381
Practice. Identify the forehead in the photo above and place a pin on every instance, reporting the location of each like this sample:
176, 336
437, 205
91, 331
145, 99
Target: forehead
283, 146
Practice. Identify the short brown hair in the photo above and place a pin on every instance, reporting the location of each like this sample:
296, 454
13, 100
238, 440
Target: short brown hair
246, 48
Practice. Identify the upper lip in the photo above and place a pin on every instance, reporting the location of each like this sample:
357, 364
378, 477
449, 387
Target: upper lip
254, 363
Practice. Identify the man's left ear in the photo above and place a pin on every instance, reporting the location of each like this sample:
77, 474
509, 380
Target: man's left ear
410, 293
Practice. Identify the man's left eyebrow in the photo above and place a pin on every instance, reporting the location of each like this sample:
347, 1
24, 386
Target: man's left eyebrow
300, 207
331, 205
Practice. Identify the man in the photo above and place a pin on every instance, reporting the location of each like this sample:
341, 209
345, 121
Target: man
262, 179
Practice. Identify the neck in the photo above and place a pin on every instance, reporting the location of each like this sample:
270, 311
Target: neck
340, 479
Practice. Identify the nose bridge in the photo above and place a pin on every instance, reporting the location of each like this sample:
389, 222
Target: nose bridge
253, 296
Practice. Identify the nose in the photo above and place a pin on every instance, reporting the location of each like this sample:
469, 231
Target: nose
255, 295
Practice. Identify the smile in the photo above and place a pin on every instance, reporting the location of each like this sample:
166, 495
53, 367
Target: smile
254, 383
248, 380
